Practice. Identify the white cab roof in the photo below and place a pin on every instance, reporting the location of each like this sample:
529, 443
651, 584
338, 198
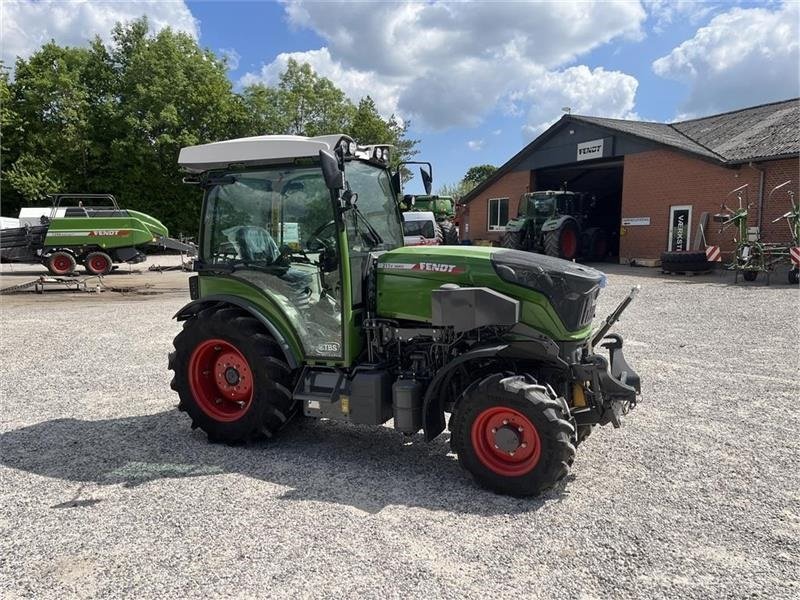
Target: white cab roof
419, 216
261, 149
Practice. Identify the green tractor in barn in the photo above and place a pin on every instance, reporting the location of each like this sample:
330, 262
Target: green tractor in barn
306, 303
557, 223
443, 209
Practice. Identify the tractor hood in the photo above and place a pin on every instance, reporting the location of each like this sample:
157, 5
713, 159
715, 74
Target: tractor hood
566, 291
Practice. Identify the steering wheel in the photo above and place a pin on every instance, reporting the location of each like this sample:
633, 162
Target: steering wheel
318, 242
325, 245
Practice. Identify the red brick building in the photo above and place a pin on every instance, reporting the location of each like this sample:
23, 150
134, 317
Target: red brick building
646, 175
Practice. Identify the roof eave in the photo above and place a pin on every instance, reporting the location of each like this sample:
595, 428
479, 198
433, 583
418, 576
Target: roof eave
744, 161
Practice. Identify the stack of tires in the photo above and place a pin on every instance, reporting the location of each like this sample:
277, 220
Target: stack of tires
685, 262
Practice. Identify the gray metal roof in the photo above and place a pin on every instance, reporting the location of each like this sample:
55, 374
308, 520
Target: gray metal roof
663, 133
763, 132
758, 132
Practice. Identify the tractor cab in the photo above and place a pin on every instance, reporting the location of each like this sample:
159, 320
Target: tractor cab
269, 224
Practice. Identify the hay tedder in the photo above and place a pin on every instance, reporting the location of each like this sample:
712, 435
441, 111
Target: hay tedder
752, 255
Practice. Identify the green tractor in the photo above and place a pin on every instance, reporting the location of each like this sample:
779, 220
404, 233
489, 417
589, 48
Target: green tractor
305, 302
557, 223
443, 209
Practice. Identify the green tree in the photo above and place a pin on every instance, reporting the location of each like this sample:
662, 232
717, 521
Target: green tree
113, 117
476, 175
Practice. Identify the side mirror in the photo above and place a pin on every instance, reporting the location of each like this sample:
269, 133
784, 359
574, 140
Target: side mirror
334, 177
427, 180
396, 182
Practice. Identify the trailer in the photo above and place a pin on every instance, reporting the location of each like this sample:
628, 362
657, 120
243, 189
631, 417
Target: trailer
84, 229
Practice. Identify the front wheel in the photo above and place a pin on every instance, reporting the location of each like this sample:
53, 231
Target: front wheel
750, 275
231, 376
513, 436
61, 263
794, 276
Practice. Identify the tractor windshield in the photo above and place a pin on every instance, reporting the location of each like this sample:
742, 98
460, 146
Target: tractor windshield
543, 205
376, 202
377, 213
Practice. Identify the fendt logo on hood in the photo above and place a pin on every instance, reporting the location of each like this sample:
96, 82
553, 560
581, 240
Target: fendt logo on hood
423, 266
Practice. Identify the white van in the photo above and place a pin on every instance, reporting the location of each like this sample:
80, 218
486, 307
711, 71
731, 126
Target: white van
421, 229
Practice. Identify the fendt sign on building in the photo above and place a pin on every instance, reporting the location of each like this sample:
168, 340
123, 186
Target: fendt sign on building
591, 149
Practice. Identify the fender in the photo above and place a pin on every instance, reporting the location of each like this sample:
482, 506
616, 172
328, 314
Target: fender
556, 223
433, 404
516, 224
195, 306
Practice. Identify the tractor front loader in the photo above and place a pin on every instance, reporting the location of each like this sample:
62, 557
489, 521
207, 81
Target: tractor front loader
305, 303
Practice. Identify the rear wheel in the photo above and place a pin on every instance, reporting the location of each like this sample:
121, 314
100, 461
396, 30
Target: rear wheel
595, 242
438, 234
513, 436
61, 263
562, 242
98, 263
750, 275
449, 233
794, 276
231, 376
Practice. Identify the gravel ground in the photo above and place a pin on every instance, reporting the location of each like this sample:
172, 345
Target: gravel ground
105, 491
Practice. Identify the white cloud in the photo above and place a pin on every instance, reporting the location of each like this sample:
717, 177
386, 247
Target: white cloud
231, 57
663, 13
475, 145
27, 25
449, 64
585, 91
742, 57
355, 84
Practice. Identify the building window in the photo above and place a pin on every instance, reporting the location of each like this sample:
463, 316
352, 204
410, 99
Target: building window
498, 214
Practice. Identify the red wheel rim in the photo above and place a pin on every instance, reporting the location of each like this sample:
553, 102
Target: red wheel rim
221, 380
61, 264
569, 242
505, 441
98, 264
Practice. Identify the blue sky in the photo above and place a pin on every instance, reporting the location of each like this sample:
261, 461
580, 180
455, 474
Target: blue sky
477, 80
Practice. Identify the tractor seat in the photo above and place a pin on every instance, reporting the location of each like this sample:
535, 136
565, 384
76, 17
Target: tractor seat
256, 245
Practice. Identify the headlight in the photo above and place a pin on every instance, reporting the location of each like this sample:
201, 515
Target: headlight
385, 154
351, 148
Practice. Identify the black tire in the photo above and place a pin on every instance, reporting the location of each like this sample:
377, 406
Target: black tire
513, 240
61, 263
98, 263
595, 244
532, 407
449, 233
438, 234
562, 242
684, 262
270, 406
750, 275
794, 276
